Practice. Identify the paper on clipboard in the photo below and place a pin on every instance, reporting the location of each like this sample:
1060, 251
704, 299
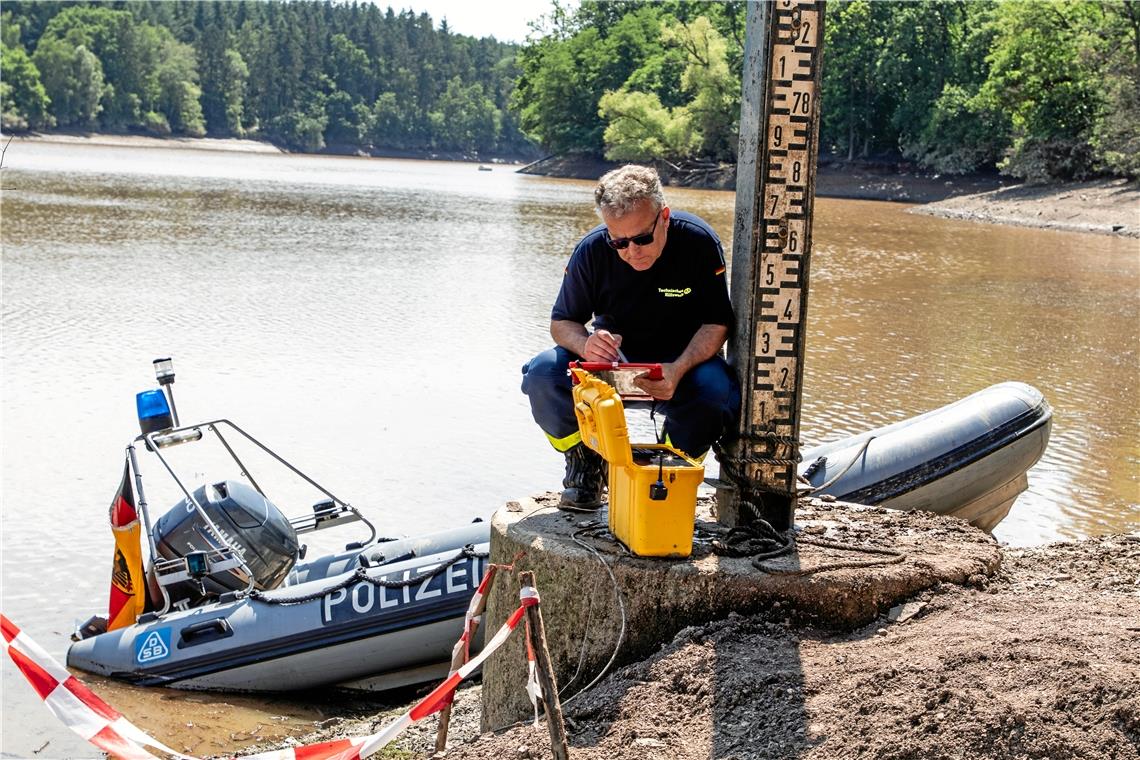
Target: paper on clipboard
620, 376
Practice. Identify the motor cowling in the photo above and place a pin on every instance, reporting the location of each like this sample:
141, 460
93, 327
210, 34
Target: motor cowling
257, 530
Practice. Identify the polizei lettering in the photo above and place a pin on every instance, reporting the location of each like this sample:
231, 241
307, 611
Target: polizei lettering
453, 585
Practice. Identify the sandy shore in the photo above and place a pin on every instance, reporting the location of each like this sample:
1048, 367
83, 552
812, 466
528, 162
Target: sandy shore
142, 141
1040, 660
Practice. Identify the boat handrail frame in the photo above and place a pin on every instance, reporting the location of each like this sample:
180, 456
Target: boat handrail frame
157, 440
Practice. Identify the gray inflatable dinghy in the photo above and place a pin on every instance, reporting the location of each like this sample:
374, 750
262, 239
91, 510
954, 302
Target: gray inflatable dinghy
388, 613
967, 459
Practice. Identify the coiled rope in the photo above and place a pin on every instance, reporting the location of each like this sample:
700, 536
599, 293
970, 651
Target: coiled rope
759, 540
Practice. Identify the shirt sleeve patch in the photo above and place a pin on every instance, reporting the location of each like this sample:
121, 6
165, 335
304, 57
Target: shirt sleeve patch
719, 271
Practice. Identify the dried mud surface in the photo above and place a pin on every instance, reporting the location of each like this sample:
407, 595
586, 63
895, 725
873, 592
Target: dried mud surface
1101, 206
1105, 206
1041, 660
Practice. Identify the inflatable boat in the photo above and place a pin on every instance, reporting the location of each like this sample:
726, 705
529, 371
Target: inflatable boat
350, 618
967, 459
228, 601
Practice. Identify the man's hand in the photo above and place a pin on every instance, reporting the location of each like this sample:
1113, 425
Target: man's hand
662, 389
602, 346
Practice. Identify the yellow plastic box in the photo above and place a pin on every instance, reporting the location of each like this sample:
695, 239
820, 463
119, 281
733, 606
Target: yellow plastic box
648, 527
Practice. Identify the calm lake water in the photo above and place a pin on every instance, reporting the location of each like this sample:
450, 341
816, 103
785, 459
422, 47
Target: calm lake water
368, 318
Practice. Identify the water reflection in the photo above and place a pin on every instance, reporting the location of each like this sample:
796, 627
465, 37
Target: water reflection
368, 318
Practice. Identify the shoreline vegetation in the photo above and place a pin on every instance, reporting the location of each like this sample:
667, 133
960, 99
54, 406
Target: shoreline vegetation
1103, 206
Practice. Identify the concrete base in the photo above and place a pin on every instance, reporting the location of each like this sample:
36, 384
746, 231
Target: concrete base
584, 620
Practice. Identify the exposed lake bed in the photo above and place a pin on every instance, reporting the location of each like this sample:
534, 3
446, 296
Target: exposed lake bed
277, 277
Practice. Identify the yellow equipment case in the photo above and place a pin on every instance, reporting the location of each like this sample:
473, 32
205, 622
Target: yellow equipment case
653, 486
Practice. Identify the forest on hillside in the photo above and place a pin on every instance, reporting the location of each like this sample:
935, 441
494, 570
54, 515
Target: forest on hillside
1039, 90
305, 75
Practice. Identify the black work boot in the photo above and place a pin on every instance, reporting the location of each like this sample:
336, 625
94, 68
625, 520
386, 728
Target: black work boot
584, 481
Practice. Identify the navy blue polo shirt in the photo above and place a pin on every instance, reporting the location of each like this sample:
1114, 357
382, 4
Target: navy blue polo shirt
657, 311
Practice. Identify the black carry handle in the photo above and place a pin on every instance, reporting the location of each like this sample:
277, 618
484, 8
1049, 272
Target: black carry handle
207, 630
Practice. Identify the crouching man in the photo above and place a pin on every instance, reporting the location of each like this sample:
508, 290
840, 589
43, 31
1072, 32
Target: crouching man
653, 283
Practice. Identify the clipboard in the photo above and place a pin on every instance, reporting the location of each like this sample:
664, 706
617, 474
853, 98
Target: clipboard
620, 375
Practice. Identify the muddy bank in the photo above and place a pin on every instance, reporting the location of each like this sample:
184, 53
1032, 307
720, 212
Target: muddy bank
859, 180
1040, 660
1110, 206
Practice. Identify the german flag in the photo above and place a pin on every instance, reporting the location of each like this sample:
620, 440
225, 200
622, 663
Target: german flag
128, 591
719, 270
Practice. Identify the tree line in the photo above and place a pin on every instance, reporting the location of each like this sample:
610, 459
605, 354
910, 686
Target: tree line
304, 74
1040, 90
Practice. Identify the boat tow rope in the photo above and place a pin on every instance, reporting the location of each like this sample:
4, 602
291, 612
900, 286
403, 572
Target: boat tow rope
760, 541
361, 575
82, 711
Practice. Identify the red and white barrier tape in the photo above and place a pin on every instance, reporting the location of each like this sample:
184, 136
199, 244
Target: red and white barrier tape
461, 652
73, 703
89, 716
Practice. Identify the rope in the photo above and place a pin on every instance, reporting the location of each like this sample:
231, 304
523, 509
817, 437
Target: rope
832, 481
361, 575
894, 558
760, 541
814, 466
732, 466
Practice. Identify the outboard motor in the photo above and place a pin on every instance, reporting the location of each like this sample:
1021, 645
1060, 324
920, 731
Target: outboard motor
254, 527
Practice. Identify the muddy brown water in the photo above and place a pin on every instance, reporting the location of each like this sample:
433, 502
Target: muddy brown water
367, 319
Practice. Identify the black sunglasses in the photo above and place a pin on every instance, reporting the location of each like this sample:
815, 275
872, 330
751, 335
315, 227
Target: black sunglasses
620, 244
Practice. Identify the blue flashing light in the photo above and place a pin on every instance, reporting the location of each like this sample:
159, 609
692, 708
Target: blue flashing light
154, 411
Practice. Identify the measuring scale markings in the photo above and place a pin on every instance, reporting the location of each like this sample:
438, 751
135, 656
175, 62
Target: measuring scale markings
785, 201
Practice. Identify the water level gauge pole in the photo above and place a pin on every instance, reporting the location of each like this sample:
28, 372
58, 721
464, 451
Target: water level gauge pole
775, 195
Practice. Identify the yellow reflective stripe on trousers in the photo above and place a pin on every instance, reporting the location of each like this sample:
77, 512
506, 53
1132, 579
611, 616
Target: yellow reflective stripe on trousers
567, 443
699, 459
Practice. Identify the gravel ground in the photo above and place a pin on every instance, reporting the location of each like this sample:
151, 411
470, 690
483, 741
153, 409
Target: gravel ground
1040, 661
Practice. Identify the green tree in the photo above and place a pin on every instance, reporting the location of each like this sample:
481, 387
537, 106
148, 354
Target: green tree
393, 122
1116, 134
236, 73
1041, 76
856, 109
304, 129
348, 122
125, 58
24, 102
639, 128
715, 93
10, 31
350, 69
465, 119
178, 92
564, 75
962, 132
72, 79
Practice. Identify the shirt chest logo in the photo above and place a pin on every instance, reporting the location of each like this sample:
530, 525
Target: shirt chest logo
674, 292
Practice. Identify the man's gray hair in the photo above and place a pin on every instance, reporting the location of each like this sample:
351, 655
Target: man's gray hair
620, 190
